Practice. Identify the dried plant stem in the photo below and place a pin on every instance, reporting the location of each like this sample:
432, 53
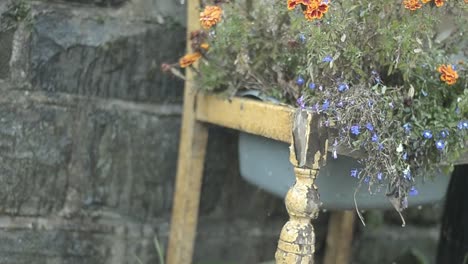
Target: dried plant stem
357, 209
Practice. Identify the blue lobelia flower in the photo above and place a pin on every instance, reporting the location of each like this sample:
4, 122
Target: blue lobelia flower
326, 105
440, 144
407, 174
312, 86
463, 124
300, 102
354, 173
370, 127
300, 81
343, 87
315, 107
407, 127
367, 179
375, 138
381, 146
405, 156
379, 176
302, 38
427, 134
354, 130
444, 133
327, 58
413, 191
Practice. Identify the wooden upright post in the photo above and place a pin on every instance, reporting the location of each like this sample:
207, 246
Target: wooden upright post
192, 150
308, 153
339, 237
453, 242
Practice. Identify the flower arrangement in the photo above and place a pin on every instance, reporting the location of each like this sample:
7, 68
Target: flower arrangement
388, 76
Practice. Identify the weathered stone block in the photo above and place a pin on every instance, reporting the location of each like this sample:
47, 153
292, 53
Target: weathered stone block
9, 13
55, 240
35, 146
111, 3
98, 52
6, 42
54, 243
113, 157
129, 162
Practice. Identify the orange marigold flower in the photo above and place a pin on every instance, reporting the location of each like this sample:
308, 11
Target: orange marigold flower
189, 59
412, 4
210, 16
448, 74
315, 10
439, 3
205, 46
293, 3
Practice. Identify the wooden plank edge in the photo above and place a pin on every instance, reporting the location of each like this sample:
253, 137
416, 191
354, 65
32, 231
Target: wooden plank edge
255, 117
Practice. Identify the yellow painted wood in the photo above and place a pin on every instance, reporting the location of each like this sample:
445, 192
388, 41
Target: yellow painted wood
251, 116
339, 237
192, 150
308, 149
296, 243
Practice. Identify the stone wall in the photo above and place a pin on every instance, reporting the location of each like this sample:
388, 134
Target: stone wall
89, 132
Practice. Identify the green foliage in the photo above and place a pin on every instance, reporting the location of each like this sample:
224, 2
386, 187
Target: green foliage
252, 50
18, 10
373, 64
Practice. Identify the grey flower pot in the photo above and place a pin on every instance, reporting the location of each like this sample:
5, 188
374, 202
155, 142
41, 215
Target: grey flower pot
265, 163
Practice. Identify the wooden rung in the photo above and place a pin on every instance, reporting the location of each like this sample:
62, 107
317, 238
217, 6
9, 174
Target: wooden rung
251, 116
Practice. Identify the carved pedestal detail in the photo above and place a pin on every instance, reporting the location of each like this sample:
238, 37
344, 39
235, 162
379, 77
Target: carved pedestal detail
296, 244
297, 240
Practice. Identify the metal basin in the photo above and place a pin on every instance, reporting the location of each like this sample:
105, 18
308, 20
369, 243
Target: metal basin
265, 163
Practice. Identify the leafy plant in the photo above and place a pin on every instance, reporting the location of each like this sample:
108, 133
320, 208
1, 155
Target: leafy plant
387, 76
